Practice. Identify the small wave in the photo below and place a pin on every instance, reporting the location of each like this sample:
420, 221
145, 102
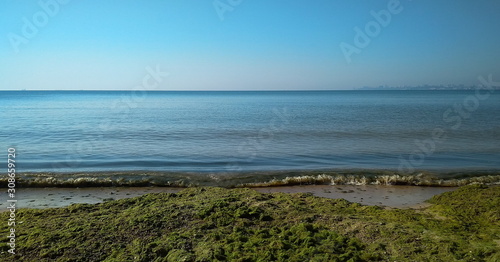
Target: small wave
408, 180
92, 182
251, 179
125, 179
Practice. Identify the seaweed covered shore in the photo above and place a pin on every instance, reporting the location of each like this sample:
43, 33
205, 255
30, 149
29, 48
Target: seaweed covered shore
220, 224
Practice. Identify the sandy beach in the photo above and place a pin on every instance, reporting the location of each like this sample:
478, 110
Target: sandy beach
386, 196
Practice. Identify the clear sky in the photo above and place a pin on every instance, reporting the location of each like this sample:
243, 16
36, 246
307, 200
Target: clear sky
246, 44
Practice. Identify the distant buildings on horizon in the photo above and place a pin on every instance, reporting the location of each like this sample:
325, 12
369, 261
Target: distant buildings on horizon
425, 87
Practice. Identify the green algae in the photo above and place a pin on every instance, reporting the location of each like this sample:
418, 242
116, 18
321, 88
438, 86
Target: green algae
217, 224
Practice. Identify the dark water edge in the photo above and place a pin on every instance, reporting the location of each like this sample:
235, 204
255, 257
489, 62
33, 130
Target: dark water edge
254, 179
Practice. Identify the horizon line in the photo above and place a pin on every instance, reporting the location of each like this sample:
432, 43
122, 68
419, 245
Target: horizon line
247, 90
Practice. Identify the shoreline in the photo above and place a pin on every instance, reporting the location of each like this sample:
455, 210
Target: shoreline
252, 179
389, 196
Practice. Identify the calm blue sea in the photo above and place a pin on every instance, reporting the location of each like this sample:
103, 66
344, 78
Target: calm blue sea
83, 131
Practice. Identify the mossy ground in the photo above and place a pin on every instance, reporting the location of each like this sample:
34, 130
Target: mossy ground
217, 224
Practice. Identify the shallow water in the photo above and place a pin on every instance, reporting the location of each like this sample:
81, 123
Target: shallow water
234, 132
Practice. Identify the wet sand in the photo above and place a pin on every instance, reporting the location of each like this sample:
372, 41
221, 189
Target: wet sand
60, 197
373, 195
386, 196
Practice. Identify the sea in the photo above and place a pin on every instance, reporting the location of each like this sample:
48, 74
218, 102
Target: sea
92, 138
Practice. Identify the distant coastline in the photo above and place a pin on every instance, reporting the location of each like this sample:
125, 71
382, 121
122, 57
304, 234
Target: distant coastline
365, 88
425, 87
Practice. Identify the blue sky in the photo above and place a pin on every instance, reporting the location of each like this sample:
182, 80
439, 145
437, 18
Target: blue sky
251, 45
